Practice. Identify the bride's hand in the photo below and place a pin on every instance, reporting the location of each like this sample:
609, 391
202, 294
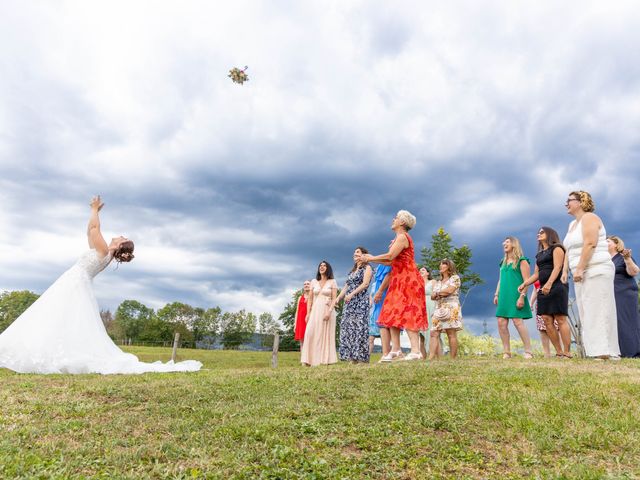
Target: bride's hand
96, 203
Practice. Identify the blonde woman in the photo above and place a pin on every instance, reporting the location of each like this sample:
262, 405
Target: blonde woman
405, 306
511, 303
593, 273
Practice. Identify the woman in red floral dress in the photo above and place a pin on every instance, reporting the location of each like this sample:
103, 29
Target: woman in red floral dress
405, 306
301, 313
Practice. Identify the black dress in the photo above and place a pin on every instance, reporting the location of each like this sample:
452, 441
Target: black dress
626, 290
556, 302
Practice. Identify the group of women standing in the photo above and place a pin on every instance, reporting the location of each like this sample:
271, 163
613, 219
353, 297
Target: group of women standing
606, 292
603, 272
397, 302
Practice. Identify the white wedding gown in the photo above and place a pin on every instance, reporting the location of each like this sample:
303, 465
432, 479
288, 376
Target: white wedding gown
62, 332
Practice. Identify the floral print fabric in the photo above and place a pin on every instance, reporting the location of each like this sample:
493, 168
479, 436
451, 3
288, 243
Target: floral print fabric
354, 327
451, 303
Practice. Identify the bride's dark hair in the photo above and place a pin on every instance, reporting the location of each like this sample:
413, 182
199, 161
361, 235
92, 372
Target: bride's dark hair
124, 253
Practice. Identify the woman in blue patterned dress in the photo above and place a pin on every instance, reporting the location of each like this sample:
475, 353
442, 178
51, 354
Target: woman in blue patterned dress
378, 293
354, 327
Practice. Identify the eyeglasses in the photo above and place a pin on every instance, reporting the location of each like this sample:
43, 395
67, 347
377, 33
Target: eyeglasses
541, 232
571, 199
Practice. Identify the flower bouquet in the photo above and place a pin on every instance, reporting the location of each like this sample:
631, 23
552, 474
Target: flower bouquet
238, 76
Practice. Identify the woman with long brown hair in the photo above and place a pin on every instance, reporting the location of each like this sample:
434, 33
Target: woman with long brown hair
553, 295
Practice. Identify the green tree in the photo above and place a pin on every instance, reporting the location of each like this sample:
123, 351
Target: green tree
288, 321
267, 324
157, 331
181, 318
442, 247
131, 317
237, 328
13, 304
207, 324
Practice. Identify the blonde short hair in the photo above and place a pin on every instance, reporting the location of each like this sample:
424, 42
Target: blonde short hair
618, 241
586, 202
407, 219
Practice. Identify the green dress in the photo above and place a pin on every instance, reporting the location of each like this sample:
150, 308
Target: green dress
510, 280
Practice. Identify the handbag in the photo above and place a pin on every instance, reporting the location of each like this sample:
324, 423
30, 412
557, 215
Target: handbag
442, 314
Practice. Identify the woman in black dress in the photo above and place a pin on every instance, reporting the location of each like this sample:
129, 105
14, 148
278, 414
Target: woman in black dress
626, 291
553, 296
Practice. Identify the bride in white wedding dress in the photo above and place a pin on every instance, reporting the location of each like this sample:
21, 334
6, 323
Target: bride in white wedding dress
62, 332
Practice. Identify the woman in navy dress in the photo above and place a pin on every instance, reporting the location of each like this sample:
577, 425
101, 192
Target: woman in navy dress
626, 291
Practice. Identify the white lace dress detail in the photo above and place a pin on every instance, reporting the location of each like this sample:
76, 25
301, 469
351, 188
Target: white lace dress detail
62, 332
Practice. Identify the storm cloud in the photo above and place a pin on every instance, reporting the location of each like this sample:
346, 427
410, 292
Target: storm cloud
479, 118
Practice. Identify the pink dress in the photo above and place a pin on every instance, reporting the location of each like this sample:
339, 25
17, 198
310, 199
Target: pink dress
319, 347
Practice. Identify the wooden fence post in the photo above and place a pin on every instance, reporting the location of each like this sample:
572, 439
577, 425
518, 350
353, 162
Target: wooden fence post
274, 352
176, 340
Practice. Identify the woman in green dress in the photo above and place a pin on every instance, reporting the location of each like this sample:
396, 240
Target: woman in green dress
514, 268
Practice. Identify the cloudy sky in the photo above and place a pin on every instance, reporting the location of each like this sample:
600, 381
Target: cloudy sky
478, 117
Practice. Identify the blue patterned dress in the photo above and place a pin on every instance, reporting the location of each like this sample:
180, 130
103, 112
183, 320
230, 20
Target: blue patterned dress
354, 327
381, 273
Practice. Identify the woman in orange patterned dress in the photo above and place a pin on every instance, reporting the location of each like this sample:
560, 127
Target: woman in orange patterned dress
404, 307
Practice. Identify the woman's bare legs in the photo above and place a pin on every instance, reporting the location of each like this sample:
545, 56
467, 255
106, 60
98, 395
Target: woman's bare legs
503, 330
395, 340
544, 339
423, 350
565, 334
414, 339
434, 344
524, 335
552, 333
385, 338
452, 335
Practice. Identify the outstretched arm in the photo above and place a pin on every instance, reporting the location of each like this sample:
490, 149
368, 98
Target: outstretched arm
397, 247
94, 235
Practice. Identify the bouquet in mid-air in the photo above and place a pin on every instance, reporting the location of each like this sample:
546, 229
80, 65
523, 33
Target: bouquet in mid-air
238, 76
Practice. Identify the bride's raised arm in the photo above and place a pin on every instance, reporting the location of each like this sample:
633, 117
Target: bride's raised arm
94, 235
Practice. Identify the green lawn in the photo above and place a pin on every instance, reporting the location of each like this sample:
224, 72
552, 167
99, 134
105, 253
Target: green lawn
238, 418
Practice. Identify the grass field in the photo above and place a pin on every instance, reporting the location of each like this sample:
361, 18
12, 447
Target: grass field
238, 418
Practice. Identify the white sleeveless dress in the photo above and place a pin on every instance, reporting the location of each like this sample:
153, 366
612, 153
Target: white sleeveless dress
62, 332
595, 294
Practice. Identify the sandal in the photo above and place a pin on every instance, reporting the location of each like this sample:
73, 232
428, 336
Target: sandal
413, 356
506, 356
528, 355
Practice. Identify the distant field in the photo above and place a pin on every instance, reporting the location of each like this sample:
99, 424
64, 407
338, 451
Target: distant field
238, 418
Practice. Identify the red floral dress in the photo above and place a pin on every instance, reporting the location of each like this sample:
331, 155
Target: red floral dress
404, 306
301, 325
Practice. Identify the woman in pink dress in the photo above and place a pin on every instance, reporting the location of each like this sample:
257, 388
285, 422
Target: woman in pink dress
404, 306
319, 347
301, 313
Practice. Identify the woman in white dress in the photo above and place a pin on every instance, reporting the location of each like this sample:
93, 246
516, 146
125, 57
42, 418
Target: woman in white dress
62, 332
593, 273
